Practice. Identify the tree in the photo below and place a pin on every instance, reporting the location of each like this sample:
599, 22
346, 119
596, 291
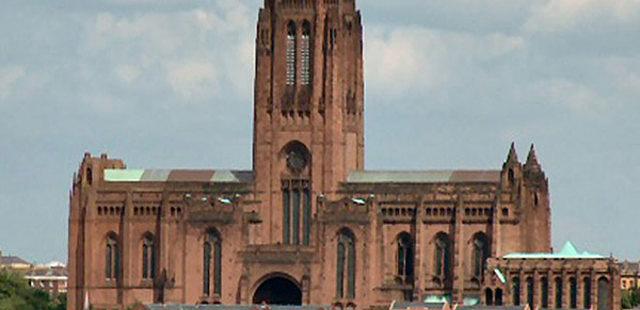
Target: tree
15, 293
630, 298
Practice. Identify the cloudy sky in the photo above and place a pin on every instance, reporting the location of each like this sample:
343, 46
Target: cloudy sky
168, 84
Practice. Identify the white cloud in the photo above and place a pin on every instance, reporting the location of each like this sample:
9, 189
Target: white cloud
9, 76
573, 95
127, 73
194, 51
417, 59
564, 15
193, 80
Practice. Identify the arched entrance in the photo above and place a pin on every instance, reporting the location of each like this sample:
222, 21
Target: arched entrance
278, 290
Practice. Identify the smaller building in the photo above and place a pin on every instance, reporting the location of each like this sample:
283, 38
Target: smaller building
569, 279
14, 263
51, 278
629, 275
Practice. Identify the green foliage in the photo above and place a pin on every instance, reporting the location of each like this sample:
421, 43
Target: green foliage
15, 293
630, 298
137, 305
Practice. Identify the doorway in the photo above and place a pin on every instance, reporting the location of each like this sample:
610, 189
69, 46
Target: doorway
278, 290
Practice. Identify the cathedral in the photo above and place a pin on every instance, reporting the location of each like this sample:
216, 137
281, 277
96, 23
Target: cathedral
307, 224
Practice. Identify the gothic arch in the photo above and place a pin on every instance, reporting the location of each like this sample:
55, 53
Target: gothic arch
291, 57
112, 262
604, 293
277, 288
148, 246
211, 261
443, 257
404, 251
305, 54
346, 253
296, 147
297, 200
480, 250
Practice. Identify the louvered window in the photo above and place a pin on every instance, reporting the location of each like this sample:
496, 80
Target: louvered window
305, 53
291, 54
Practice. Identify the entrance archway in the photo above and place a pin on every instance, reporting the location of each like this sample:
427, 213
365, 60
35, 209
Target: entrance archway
278, 290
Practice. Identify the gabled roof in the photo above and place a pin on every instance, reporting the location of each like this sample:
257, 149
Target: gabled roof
427, 176
569, 251
151, 175
629, 268
13, 260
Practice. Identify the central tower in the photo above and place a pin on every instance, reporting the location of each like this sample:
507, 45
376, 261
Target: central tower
308, 110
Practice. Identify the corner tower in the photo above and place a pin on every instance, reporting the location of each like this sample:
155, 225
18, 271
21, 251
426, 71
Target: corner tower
308, 110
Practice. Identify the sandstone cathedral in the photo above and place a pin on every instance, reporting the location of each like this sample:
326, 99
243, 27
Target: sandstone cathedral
308, 225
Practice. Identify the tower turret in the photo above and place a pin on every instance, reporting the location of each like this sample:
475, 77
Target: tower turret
308, 111
511, 170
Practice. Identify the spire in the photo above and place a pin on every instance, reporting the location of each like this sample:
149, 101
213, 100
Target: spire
513, 156
532, 160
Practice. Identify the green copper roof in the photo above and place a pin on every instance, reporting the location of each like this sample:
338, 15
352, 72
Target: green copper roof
569, 251
123, 175
501, 276
437, 299
427, 176
177, 175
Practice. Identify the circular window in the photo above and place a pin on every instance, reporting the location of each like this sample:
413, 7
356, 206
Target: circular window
296, 160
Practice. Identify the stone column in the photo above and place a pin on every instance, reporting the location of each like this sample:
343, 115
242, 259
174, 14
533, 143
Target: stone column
580, 289
507, 298
523, 285
565, 290
459, 252
496, 249
126, 255
418, 271
537, 288
614, 284
551, 296
594, 289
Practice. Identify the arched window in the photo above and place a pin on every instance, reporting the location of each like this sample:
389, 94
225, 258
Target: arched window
512, 177
481, 251
306, 217
604, 294
544, 293
89, 176
112, 259
405, 258
291, 53
586, 298
530, 292
297, 198
515, 291
498, 299
346, 271
442, 256
212, 260
296, 195
573, 288
148, 257
558, 284
488, 297
305, 54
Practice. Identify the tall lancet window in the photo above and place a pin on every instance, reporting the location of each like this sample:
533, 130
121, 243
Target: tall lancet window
112, 259
442, 257
481, 252
346, 267
212, 261
148, 257
405, 258
291, 53
305, 53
